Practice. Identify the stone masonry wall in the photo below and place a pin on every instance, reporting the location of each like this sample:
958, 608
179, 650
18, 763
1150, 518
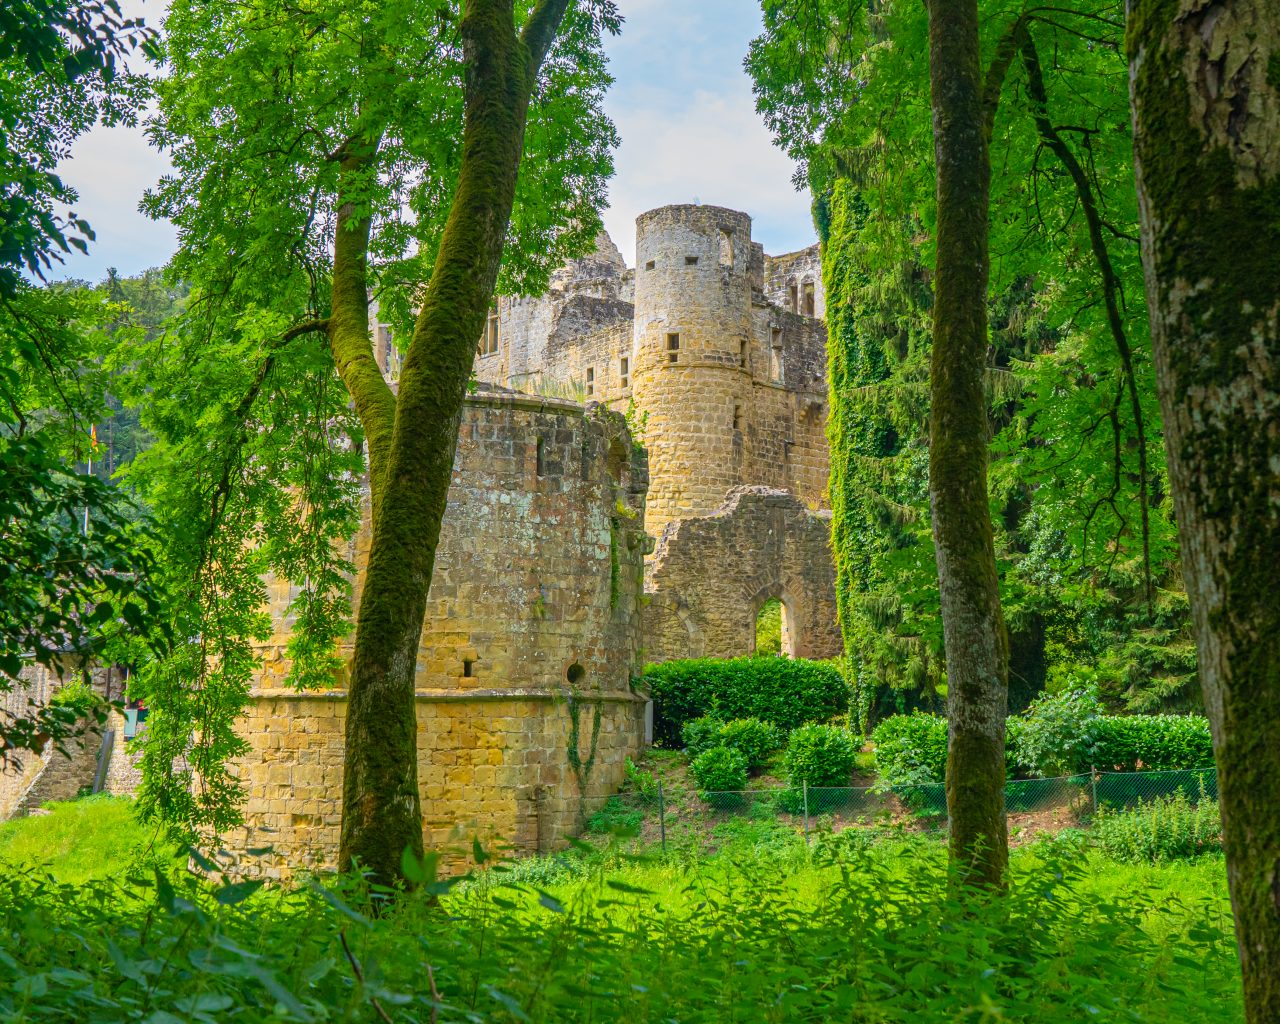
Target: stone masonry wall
490, 766
710, 576
533, 617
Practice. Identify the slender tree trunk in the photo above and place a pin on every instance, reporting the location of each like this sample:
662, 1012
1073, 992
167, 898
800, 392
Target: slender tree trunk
381, 813
973, 628
1205, 90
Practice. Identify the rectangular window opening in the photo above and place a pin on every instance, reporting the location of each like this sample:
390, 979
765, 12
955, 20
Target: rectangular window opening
624, 371
792, 303
691, 261
591, 380
467, 666
673, 348
809, 306
775, 361
540, 457
489, 339
726, 247
650, 265
742, 352
737, 417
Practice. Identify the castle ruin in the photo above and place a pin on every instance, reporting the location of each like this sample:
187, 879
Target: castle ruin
642, 467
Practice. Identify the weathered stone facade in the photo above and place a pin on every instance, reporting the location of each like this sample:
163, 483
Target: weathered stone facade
711, 575
526, 713
718, 354
95, 760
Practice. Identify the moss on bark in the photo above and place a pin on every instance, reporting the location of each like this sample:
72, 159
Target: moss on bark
1207, 141
381, 813
973, 627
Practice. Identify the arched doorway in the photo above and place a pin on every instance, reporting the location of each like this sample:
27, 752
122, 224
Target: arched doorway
773, 632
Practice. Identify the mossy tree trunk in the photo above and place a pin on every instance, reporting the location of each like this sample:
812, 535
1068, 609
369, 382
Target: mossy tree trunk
381, 816
1205, 92
973, 628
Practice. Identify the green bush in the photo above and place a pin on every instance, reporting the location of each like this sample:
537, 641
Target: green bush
753, 739
821, 755
1167, 828
700, 734
786, 692
911, 749
719, 770
1153, 743
1058, 733
80, 697
644, 784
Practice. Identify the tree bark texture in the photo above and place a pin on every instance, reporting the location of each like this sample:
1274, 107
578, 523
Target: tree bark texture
381, 812
1205, 89
973, 627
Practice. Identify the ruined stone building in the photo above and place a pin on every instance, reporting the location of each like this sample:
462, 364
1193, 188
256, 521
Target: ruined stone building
717, 354
642, 467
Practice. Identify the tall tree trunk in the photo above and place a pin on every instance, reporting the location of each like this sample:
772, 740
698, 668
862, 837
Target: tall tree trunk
381, 816
1205, 90
973, 628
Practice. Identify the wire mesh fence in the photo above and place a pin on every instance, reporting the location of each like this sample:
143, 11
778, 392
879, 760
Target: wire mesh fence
1072, 799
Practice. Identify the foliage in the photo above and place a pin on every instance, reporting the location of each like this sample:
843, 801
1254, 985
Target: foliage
278, 119
1167, 828
644, 784
1153, 743
911, 749
769, 629
1059, 733
574, 940
720, 770
785, 692
59, 75
1078, 486
753, 739
821, 755
700, 734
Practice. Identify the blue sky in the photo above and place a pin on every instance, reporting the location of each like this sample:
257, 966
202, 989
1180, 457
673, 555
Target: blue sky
682, 104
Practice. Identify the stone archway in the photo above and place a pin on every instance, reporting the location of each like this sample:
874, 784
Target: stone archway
711, 574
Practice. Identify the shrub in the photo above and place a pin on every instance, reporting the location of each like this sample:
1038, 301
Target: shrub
643, 783
721, 775
700, 734
1167, 828
911, 749
786, 692
821, 755
1153, 743
1058, 733
78, 697
753, 739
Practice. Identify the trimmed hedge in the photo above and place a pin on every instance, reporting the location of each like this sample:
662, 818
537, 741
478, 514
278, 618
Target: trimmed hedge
1152, 743
821, 755
786, 692
912, 749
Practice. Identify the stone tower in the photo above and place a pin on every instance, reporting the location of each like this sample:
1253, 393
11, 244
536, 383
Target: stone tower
691, 354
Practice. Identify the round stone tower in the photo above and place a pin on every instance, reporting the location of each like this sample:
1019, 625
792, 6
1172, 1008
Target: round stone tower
691, 354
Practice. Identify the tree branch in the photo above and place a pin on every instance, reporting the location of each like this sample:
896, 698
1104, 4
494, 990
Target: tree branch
541, 28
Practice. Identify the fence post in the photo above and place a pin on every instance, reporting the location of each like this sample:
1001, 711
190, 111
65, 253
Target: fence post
662, 817
805, 784
1093, 780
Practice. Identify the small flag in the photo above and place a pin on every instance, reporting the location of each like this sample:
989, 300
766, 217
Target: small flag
93, 436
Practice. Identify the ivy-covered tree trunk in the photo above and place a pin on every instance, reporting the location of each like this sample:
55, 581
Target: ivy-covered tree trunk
973, 628
381, 813
1205, 91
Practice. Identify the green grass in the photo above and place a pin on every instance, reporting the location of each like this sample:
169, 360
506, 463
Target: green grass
858, 926
94, 837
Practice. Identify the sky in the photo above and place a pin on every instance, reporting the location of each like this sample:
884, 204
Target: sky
682, 104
